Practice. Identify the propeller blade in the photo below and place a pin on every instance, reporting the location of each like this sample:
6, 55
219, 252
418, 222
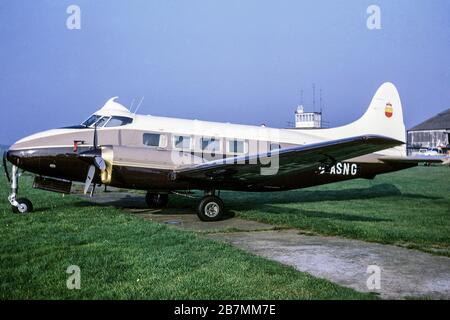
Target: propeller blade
95, 143
5, 167
89, 178
99, 162
96, 160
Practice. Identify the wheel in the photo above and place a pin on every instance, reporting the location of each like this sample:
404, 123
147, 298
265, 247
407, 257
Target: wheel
210, 208
25, 206
156, 200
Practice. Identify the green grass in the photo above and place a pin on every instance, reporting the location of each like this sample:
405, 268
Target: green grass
125, 257
409, 208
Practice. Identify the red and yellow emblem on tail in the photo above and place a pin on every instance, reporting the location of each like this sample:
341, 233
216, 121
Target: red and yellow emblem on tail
388, 110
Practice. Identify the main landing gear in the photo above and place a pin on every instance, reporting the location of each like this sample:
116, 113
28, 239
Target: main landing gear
210, 207
18, 205
156, 200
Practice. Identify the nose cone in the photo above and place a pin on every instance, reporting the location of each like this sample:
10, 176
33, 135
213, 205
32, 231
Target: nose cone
12, 156
27, 152
21, 151
40, 161
51, 153
20, 157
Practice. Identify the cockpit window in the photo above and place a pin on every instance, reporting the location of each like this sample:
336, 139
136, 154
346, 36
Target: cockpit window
92, 119
118, 121
100, 123
106, 121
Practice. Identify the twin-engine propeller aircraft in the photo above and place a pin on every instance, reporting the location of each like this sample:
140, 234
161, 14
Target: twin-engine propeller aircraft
117, 148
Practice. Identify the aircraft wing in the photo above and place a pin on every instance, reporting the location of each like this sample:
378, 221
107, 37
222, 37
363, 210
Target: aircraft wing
260, 167
416, 159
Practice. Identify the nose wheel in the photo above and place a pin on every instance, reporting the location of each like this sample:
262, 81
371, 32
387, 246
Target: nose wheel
23, 206
18, 205
211, 208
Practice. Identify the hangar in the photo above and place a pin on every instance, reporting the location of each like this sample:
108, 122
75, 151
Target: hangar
432, 133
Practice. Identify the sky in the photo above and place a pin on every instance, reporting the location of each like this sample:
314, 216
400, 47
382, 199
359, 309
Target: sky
232, 61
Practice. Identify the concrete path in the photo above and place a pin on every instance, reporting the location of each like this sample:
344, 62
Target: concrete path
183, 218
404, 273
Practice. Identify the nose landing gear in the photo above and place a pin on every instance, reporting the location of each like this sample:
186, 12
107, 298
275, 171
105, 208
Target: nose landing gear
18, 205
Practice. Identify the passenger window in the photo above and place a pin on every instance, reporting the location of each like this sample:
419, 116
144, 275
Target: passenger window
210, 144
236, 146
152, 139
182, 142
274, 146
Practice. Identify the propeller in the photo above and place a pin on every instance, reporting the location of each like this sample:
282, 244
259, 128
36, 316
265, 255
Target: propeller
94, 155
5, 167
95, 143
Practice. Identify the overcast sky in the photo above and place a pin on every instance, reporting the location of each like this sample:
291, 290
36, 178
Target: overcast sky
234, 60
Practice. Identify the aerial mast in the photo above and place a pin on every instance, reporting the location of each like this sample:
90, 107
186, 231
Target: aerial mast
314, 97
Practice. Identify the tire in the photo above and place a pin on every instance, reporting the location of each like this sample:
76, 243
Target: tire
25, 206
156, 200
211, 208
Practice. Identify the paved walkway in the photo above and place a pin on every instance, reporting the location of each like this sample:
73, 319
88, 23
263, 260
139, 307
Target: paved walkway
404, 273
183, 218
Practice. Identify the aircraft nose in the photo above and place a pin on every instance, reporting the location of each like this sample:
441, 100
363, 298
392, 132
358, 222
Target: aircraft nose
13, 156
17, 157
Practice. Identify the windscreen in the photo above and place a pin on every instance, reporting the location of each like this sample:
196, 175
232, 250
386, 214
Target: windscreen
92, 119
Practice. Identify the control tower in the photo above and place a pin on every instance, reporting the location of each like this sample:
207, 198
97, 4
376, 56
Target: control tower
307, 120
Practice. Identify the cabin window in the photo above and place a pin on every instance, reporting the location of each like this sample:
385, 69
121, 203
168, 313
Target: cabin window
118, 121
236, 146
274, 146
152, 139
182, 142
210, 144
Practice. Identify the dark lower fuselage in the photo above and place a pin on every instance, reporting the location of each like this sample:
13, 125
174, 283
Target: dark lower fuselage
153, 172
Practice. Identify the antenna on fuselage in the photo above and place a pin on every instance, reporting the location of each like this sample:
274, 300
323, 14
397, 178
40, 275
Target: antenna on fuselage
137, 108
132, 103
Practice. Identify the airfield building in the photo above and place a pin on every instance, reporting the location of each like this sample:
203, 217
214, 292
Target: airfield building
432, 133
304, 120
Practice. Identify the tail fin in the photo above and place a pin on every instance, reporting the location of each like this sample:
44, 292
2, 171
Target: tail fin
383, 117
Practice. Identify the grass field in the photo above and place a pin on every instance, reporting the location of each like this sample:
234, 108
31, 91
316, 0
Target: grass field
125, 257
122, 256
409, 208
